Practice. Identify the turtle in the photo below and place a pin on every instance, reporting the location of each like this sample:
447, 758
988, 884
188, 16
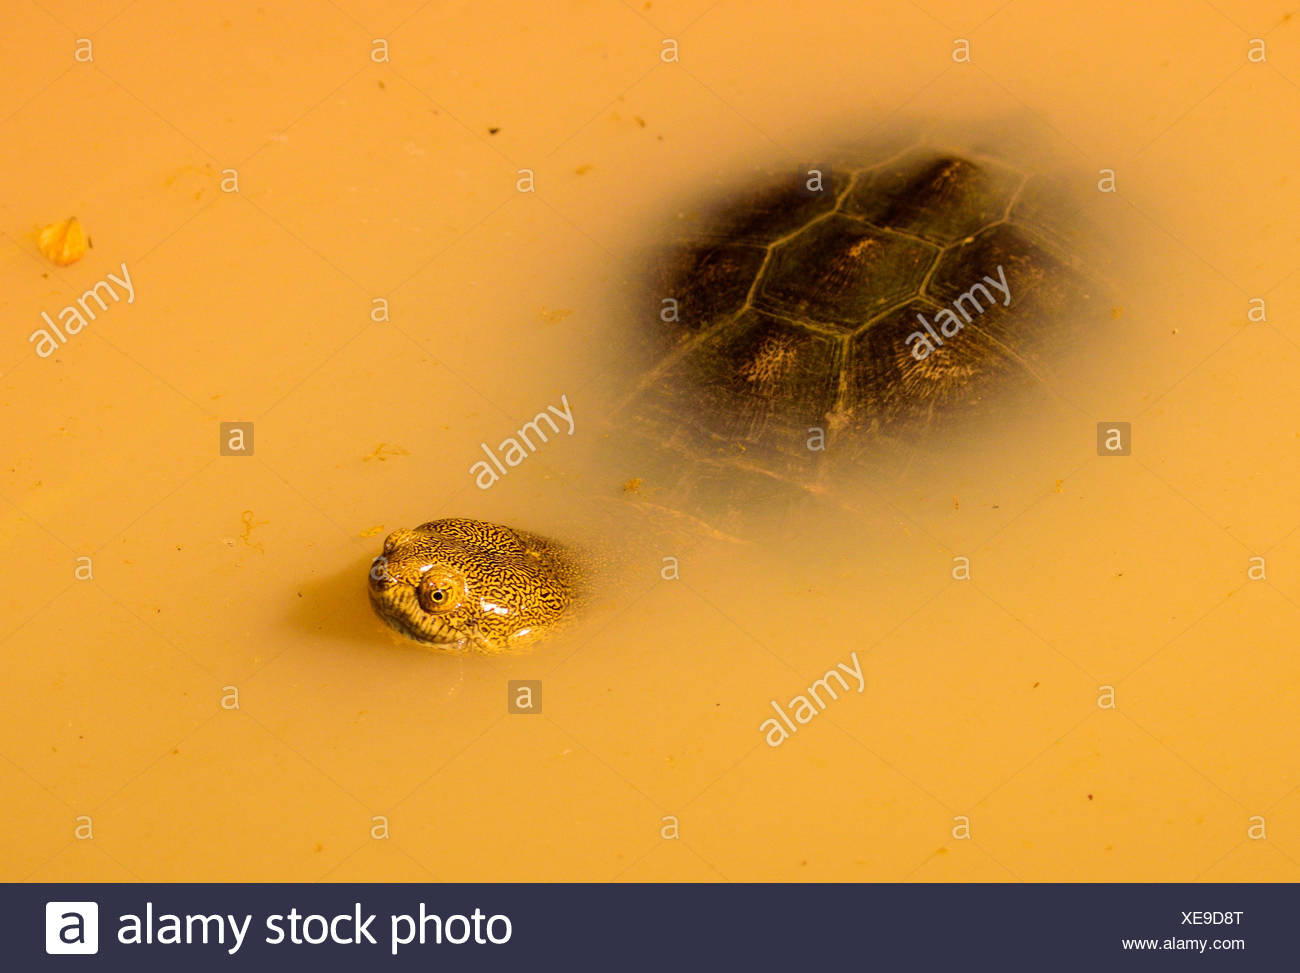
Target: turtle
808, 319
461, 583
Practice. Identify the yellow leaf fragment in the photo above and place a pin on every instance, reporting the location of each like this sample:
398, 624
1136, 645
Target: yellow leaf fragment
64, 242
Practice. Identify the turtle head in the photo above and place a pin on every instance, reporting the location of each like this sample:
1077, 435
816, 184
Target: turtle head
421, 589
466, 584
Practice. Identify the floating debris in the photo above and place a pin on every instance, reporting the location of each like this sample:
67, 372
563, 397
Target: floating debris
383, 451
64, 242
250, 523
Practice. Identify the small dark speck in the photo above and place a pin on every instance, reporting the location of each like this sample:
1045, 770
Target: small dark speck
300, 595
1035, 685
381, 83
493, 131
1090, 797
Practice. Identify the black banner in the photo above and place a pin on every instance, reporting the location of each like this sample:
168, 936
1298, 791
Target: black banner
650, 927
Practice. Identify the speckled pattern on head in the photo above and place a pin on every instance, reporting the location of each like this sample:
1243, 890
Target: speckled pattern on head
466, 584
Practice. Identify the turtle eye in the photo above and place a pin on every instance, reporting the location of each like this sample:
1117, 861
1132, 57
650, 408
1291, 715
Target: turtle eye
438, 592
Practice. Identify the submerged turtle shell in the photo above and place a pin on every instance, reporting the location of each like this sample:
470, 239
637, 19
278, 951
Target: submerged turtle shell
786, 330
796, 311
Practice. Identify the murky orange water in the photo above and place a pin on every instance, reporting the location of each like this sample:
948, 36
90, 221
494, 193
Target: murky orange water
320, 214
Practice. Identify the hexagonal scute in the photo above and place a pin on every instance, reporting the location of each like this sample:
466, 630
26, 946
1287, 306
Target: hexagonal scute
766, 210
939, 197
841, 272
756, 384
1016, 290
901, 376
708, 282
